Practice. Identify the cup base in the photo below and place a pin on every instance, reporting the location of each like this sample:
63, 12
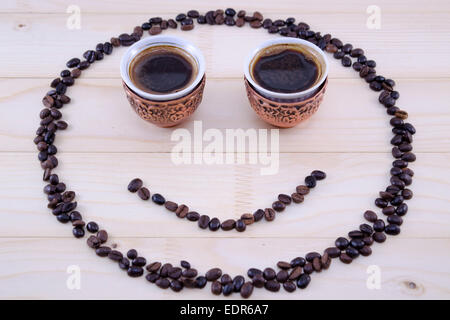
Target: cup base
284, 114
166, 114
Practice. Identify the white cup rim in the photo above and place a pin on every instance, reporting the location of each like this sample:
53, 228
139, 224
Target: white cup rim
278, 95
140, 45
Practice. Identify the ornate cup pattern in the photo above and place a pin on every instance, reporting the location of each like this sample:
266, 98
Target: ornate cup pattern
284, 114
166, 113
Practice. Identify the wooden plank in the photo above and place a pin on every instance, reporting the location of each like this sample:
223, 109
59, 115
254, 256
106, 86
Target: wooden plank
37, 268
40, 44
333, 209
101, 120
139, 6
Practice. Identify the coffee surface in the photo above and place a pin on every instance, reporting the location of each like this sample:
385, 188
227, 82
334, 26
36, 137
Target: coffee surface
161, 71
287, 71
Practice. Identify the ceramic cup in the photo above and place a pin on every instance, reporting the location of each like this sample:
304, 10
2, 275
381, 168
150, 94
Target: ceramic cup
164, 110
286, 109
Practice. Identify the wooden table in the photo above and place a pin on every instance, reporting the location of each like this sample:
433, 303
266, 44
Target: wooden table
107, 144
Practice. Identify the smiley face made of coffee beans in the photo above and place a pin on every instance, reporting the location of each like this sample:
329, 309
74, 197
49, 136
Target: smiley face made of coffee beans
291, 275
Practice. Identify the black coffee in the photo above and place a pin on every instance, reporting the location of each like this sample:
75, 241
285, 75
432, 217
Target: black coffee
162, 70
286, 71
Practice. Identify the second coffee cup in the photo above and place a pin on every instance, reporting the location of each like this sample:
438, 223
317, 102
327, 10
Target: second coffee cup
285, 80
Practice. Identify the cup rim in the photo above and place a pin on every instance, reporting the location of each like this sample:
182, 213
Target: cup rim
140, 45
280, 95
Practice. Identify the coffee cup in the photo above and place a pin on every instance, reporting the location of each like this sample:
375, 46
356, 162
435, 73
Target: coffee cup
163, 78
285, 80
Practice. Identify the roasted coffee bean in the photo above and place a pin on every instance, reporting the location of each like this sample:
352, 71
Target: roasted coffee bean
240, 225
190, 273
193, 216
310, 182
356, 234
75, 215
297, 198
103, 251
402, 209
298, 262
256, 24
115, 255
310, 256
93, 242
386, 195
289, 286
317, 265
333, 252
83, 65
267, 23
214, 224
92, 227
325, 261
182, 211
72, 63
176, 285
152, 277
269, 214
308, 268
389, 210
365, 251
302, 190
253, 272
60, 187
341, 243
124, 264
272, 286
283, 265
175, 273
247, 289
135, 271
365, 228
78, 224
125, 40
240, 22
278, 206
285, 199
338, 43
345, 258
392, 229
258, 214
227, 289
378, 225
229, 21
398, 200
303, 281
395, 219
295, 273
203, 221
102, 235
346, 61
154, 30
75, 73
213, 274
171, 206
63, 218
163, 283
258, 281
339, 55
158, 199
407, 194
357, 243
193, 14
144, 193
139, 261
238, 282
248, 218
368, 241
331, 48
135, 185
269, 274
379, 237
153, 267
241, 13
381, 203
228, 224
200, 282
225, 279
318, 175
216, 288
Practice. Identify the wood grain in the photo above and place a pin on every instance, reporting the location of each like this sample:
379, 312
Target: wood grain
101, 120
30, 262
225, 191
226, 48
106, 145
